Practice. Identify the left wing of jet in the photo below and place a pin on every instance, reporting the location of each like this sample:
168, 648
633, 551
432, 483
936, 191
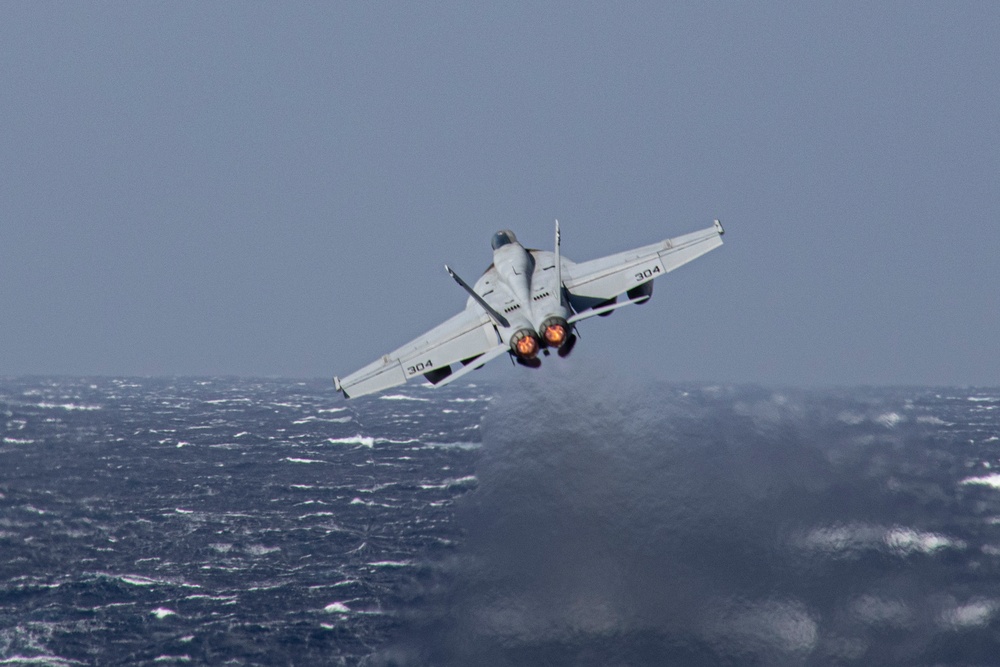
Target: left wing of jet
468, 337
593, 286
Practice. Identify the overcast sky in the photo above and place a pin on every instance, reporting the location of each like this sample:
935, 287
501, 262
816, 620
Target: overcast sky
273, 188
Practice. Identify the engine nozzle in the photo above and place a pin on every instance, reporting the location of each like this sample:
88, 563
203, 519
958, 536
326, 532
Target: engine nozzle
555, 331
525, 344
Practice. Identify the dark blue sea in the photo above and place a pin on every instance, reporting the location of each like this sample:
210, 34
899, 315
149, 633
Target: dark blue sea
549, 519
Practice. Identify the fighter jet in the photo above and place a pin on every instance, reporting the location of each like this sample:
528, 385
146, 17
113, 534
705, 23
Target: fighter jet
528, 302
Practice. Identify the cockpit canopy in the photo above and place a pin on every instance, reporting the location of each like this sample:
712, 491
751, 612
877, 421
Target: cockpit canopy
502, 238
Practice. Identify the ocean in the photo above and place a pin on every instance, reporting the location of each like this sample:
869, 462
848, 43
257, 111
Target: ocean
550, 519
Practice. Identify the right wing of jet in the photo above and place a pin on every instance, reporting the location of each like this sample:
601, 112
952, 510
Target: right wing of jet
593, 286
469, 337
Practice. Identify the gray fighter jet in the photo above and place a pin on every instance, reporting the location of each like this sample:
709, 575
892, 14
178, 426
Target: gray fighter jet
526, 303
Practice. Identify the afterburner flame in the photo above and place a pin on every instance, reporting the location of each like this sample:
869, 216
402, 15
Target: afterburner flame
527, 347
555, 335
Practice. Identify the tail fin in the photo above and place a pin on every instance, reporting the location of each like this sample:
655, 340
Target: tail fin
559, 284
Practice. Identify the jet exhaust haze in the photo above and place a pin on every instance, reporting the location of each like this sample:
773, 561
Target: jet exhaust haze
649, 525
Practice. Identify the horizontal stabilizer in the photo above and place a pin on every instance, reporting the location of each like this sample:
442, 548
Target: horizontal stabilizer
476, 363
604, 310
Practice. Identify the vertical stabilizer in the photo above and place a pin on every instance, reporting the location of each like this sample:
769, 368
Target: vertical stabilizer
559, 284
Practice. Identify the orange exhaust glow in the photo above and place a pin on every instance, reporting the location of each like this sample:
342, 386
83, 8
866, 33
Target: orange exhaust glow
527, 347
555, 335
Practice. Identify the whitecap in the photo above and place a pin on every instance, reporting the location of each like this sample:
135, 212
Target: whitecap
68, 406
363, 440
398, 441
261, 550
931, 419
313, 418
986, 480
163, 612
391, 563
44, 660
228, 599
468, 480
969, 615
906, 541
139, 580
336, 608
452, 445
848, 540
890, 419
345, 582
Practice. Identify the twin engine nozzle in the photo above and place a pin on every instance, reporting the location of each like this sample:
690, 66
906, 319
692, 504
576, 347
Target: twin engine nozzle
526, 343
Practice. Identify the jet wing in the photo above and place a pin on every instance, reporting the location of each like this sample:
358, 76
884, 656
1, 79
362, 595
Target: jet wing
598, 281
461, 338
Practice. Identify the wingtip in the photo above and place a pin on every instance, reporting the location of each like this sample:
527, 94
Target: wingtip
718, 228
339, 387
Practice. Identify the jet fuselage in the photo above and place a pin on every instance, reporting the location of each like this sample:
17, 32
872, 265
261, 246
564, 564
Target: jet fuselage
521, 285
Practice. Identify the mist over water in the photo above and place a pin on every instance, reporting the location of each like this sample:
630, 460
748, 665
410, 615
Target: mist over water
616, 524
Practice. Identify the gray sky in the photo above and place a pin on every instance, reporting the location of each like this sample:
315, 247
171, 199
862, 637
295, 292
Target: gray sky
273, 188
